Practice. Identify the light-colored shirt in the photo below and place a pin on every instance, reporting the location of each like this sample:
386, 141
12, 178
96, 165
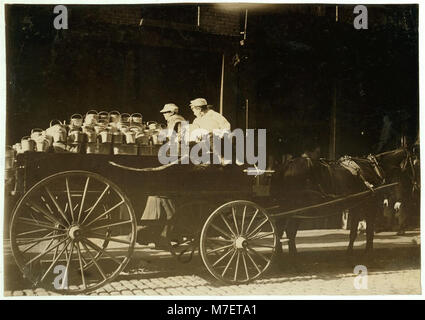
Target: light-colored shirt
211, 120
173, 120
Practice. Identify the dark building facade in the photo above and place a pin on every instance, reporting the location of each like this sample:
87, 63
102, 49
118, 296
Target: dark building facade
302, 71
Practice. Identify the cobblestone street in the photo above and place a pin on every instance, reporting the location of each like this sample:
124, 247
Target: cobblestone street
322, 268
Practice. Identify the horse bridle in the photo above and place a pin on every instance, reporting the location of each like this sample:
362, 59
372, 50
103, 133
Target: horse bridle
406, 162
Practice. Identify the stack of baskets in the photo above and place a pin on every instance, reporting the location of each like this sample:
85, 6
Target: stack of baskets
96, 133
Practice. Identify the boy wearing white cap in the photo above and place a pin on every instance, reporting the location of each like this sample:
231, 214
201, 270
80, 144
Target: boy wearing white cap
170, 112
157, 207
207, 118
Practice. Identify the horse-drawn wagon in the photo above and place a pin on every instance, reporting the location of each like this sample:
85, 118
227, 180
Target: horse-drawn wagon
77, 215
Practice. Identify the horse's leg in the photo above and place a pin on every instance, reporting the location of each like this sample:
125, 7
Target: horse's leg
402, 220
280, 228
291, 233
354, 217
370, 226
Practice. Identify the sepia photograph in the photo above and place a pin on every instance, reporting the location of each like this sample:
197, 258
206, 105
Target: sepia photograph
211, 149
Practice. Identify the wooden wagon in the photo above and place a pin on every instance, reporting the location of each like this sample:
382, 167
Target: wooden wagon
75, 218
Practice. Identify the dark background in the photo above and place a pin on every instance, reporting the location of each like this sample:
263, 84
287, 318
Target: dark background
296, 64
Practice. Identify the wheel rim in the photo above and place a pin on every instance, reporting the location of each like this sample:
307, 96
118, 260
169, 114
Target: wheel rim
238, 242
73, 232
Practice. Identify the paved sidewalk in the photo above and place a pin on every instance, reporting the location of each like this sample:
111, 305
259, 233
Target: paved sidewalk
322, 268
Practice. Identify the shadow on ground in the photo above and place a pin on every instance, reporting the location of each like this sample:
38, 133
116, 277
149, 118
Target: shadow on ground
331, 264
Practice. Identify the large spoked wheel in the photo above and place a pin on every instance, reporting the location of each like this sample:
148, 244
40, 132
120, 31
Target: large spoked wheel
73, 232
238, 242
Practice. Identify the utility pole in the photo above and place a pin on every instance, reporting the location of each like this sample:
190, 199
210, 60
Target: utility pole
332, 140
222, 84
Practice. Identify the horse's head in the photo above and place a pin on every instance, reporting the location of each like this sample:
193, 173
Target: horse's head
410, 169
392, 162
400, 164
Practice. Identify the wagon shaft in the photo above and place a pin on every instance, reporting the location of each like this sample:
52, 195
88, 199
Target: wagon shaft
335, 205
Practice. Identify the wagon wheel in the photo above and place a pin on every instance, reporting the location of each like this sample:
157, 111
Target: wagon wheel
238, 242
187, 228
73, 232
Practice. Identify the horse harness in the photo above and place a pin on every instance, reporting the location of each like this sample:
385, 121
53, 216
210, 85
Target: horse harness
350, 164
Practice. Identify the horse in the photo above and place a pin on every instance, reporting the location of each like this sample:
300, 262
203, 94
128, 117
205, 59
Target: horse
406, 197
304, 181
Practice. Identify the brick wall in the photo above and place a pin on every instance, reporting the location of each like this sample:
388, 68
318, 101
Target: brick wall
218, 21
212, 20
119, 15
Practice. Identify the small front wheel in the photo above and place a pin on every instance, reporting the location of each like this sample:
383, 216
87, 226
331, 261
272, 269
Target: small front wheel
238, 242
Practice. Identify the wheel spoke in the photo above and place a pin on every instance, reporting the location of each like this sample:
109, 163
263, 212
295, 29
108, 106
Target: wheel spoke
237, 265
94, 260
56, 252
258, 227
221, 248
111, 225
68, 261
102, 236
106, 212
55, 260
95, 204
229, 262
45, 252
48, 215
261, 236
262, 245
228, 226
83, 198
234, 220
101, 251
253, 262
30, 232
52, 213
259, 254
49, 244
221, 231
252, 220
56, 204
245, 265
83, 279
66, 254
33, 245
40, 239
31, 223
222, 257
69, 199
243, 219
219, 240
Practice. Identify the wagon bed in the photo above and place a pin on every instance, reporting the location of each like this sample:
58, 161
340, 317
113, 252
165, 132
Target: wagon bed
185, 179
